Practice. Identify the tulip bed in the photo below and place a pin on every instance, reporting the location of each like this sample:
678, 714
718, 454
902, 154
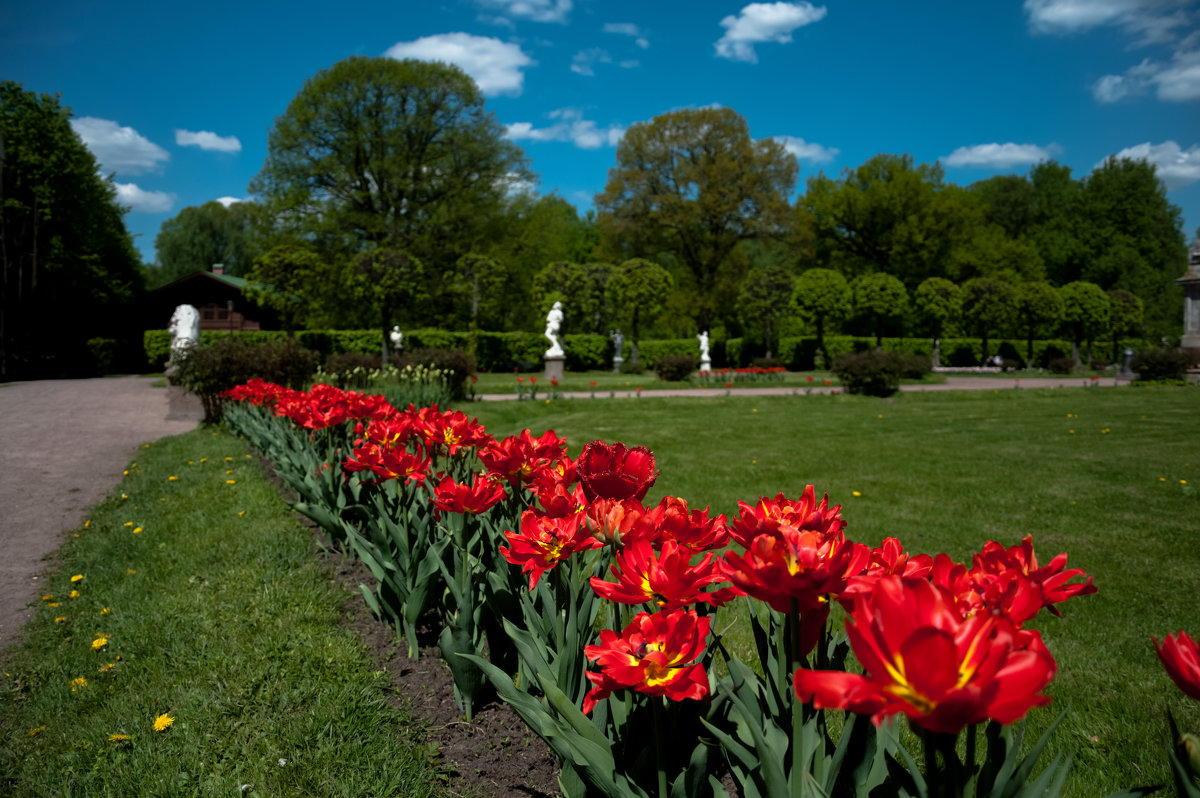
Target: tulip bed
555, 585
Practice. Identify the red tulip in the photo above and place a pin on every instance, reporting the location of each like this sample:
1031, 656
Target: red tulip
655, 654
1180, 655
615, 472
544, 542
695, 530
921, 659
668, 580
476, 498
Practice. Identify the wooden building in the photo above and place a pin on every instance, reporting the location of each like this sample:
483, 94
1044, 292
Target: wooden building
220, 298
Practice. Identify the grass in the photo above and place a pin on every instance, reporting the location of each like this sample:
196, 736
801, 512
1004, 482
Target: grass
216, 613
1108, 475
606, 381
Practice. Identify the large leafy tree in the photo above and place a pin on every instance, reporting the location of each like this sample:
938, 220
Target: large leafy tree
822, 297
938, 302
390, 284
880, 299
1125, 317
393, 154
693, 183
636, 291
70, 271
1085, 312
988, 307
289, 279
200, 236
1039, 307
765, 299
479, 284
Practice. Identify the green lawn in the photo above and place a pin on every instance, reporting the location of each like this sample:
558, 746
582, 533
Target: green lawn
606, 381
215, 612
1108, 475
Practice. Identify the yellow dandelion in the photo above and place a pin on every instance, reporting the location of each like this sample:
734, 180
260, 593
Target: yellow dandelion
124, 495
229, 471
203, 459
856, 494
76, 577
128, 523
99, 643
172, 479
191, 462
248, 457
52, 604
231, 482
118, 738
241, 514
105, 610
1162, 479
228, 459
162, 498
106, 667
1071, 431
73, 594
163, 721
130, 571
1183, 482
78, 684
879, 416
125, 472
60, 619
753, 462
87, 523
137, 529
1072, 502
47, 598
37, 731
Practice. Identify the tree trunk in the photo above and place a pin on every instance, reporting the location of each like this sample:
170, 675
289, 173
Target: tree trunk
769, 338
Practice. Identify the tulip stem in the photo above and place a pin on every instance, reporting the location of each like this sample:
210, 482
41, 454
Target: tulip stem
660, 728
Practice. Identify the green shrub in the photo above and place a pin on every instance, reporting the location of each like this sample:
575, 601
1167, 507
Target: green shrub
649, 352
208, 369
871, 373
913, 366
767, 363
1155, 365
675, 368
350, 369
1061, 365
104, 352
456, 365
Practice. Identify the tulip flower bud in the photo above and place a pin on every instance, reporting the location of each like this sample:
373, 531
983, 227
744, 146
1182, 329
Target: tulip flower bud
1189, 751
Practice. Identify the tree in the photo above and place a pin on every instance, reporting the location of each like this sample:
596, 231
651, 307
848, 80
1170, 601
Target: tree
480, 281
636, 291
822, 296
1085, 312
1039, 306
392, 154
1124, 318
560, 281
988, 306
200, 236
289, 281
938, 301
765, 296
881, 299
693, 183
64, 251
391, 283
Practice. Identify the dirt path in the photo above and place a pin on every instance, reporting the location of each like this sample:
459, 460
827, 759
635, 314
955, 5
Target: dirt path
63, 446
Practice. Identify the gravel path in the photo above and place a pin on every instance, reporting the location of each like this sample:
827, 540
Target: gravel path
63, 446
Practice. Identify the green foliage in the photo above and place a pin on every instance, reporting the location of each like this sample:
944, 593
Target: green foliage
938, 301
674, 368
988, 306
390, 282
1155, 365
881, 299
1039, 306
694, 183
64, 252
871, 373
764, 300
480, 281
388, 153
207, 370
290, 279
200, 236
1085, 312
636, 290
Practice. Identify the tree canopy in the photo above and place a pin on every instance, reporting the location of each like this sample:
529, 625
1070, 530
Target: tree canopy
693, 183
636, 291
64, 250
200, 236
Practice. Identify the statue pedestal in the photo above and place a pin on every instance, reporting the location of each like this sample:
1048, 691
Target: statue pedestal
554, 368
617, 361
706, 365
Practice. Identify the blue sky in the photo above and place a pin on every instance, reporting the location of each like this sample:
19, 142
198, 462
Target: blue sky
176, 100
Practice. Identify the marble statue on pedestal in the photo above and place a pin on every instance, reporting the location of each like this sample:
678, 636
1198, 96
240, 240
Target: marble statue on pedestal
705, 360
184, 328
553, 324
618, 347
396, 337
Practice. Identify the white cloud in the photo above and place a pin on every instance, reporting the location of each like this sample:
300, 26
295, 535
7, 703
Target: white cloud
628, 29
1178, 81
141, 201
536, 10
118, 149
207, 140
584, 59
495, 65
807, 150
999, 156
632, 63
1149, 20
1176, 167
227, 201
572, 127
763, 22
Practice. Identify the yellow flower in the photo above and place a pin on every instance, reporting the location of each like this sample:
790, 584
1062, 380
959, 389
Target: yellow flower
105, 611
231, 482
106, 667
163, 721
47, 598
241, 514
137, 529
1071, 431
76, 577
128, 523
172, 479
162, 499
130, 571
73, 594
78, 684
228, 459
230, 471
99, 643
60, 619
1183, 482
203, 459
118, 738
125, 472
37, 731
52, 604
1162, 479
856, 494
87, 523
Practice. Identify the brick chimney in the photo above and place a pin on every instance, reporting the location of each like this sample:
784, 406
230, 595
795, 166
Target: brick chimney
218, 268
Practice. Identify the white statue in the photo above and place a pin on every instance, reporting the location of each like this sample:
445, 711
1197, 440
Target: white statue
705, 360
396, 338
184, 328
618, 347
553, 323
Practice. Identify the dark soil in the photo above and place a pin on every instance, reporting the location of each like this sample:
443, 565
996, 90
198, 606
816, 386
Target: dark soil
494, 754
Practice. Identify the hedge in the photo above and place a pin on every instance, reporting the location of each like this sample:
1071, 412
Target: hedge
506, 351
